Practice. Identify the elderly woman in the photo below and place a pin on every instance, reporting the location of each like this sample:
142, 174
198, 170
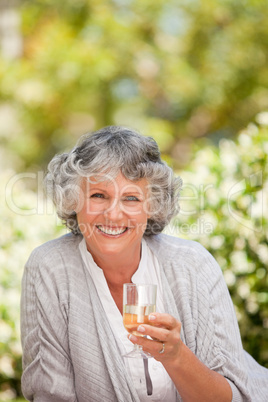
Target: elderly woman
116, 195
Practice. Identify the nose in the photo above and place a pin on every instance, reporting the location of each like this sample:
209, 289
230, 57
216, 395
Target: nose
114, 211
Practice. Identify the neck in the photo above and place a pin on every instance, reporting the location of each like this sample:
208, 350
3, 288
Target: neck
117, 272
119, 269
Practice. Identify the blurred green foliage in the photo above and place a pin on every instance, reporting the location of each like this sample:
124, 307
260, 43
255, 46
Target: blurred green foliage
224, 206
180, 70
192, 74
27, 221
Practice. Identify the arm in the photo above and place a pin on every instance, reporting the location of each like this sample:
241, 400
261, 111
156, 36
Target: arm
209, 322
208, 385
48, 373
193, 380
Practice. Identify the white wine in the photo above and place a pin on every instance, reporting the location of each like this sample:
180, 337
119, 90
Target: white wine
139, 302
133, 316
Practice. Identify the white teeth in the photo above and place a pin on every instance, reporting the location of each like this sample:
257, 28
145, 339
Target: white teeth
113, 232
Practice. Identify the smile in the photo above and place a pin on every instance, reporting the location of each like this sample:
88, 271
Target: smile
110, 231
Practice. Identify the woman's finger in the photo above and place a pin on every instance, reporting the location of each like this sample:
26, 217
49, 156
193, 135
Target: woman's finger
159, 350
163, 320
156, 333
163, 328
148, 345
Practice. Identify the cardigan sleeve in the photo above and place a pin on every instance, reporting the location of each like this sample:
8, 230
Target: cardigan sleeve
47, 368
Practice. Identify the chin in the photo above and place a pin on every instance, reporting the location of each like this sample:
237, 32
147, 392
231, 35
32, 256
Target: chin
112, 251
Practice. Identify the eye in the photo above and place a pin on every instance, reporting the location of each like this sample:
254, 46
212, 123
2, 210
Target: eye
97, 195
131, 198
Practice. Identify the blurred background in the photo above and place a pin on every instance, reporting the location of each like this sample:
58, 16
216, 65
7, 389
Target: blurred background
193, 74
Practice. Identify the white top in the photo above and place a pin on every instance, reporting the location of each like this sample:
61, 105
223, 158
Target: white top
147, 272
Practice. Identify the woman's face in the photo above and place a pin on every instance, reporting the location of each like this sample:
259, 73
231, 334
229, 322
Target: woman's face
112, 215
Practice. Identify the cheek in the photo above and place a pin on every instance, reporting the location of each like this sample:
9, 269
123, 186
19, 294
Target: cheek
86, 229
85, 215
146, 208
141, 226
142, 220
95, 208
80, 202
91, 209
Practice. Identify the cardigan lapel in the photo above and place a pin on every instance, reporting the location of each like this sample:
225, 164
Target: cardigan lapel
109, 354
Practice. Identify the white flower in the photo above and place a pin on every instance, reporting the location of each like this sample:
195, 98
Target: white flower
243, 290
262, 118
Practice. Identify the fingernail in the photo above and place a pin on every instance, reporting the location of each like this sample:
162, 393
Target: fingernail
152, 317
141, 329
132, 338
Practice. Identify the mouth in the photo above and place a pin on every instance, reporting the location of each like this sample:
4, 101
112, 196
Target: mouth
112, 231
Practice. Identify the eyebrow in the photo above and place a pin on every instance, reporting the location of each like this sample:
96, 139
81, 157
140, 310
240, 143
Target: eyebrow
126, 193
133, 192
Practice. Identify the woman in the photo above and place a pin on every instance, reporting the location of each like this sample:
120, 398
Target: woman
116, 195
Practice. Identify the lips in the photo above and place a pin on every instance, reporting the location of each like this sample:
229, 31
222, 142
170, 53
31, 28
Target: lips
112, 231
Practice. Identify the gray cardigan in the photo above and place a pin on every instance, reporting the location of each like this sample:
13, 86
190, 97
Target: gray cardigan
69, 351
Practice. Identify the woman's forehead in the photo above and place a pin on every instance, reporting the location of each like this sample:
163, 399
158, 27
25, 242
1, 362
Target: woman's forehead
120, 182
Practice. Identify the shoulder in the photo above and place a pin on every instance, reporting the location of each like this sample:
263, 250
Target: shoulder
182, 253
64, 247
169, 246
64, 242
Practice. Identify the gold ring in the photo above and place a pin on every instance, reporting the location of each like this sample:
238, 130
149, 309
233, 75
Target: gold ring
163, 348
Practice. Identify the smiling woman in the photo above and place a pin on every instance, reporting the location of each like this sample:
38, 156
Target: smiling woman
112, 216
116, 195
103, 156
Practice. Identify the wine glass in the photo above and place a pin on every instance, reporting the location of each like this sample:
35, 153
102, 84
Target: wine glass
138, 302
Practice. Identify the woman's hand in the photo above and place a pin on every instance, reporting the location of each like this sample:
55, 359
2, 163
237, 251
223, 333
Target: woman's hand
181, 364
164, 329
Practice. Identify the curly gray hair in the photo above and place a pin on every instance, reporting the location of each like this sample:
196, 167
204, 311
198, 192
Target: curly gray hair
109, 151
